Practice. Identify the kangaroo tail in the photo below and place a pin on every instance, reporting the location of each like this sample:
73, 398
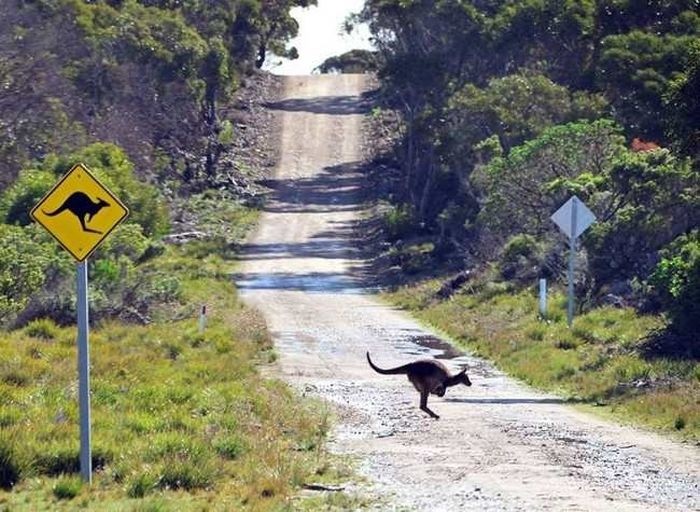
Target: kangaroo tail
55, 212
389, 371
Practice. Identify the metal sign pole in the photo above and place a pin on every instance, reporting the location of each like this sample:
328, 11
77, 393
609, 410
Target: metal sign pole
84, 372
572, 257
73, 202
573, 218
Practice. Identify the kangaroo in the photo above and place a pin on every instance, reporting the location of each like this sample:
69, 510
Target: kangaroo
80, 205
427, 376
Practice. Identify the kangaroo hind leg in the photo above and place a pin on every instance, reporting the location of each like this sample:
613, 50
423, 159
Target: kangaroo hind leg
424, 405
85, 228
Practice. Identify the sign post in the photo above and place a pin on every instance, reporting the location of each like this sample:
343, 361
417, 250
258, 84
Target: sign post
573, 218
79, 212
84, 372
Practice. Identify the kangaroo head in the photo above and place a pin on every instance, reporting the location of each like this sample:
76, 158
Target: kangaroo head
101, 202
464, 378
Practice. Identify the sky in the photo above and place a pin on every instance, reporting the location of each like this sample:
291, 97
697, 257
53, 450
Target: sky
320, 36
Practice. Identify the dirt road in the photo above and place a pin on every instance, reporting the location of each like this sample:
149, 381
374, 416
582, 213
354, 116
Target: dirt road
498, 444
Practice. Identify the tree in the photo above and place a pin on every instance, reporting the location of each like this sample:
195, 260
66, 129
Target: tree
354, 61
636, 71
677, 280
524, 188
683, 103
646, 200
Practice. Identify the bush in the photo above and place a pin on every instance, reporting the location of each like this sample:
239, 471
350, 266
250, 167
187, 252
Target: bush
10, 466
112, 167
521, 258
141, 485
398, 221
652, 195
23, 263
677, 280
23, 195
229, 447
67, 488
126, 240
43, 329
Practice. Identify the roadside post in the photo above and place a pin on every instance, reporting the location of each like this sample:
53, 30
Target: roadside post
80, 212
202, 318
573, 218
543, 297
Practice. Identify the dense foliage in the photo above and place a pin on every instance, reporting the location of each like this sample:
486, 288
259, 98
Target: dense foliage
507, 108
147, 75
137, 90
37, 276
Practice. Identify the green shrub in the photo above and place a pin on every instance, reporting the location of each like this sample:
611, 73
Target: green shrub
519, 245
141, 484
229, 447
67, 488
112, 167
521, 258
27, 190
398, 221
677, 280
653, 196
23, 263
10, 466
127, 241
43, 329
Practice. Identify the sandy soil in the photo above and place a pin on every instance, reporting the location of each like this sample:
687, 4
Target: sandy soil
498, 445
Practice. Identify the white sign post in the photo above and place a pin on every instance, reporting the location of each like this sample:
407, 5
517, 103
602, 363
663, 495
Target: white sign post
573, 218
543, 297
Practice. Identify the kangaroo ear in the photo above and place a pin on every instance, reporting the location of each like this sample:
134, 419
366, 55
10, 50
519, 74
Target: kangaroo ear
463, 372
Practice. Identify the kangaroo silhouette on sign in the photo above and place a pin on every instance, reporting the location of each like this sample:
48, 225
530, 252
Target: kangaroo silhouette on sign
80, 205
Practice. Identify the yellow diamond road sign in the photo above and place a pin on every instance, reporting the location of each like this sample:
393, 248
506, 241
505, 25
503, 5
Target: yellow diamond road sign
79, 212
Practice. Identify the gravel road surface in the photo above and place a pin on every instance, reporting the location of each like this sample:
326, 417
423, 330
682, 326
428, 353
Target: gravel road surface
499, 446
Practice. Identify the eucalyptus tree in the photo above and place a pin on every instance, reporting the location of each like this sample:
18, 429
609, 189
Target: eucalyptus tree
148, 74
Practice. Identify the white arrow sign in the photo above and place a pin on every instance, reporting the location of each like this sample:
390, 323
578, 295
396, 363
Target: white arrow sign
574, 217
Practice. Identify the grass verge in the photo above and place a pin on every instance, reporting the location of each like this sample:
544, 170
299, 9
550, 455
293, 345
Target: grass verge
595, 362
181, 419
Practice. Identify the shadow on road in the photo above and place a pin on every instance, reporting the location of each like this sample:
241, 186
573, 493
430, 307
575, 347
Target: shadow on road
508, 400
335, 189
311, 282
332, 105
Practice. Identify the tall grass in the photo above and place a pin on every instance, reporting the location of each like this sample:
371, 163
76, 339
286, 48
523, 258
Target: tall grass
181, 420
596, 361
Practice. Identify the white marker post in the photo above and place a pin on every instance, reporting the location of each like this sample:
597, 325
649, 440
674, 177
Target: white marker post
573, 218
543, 297
202, 318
